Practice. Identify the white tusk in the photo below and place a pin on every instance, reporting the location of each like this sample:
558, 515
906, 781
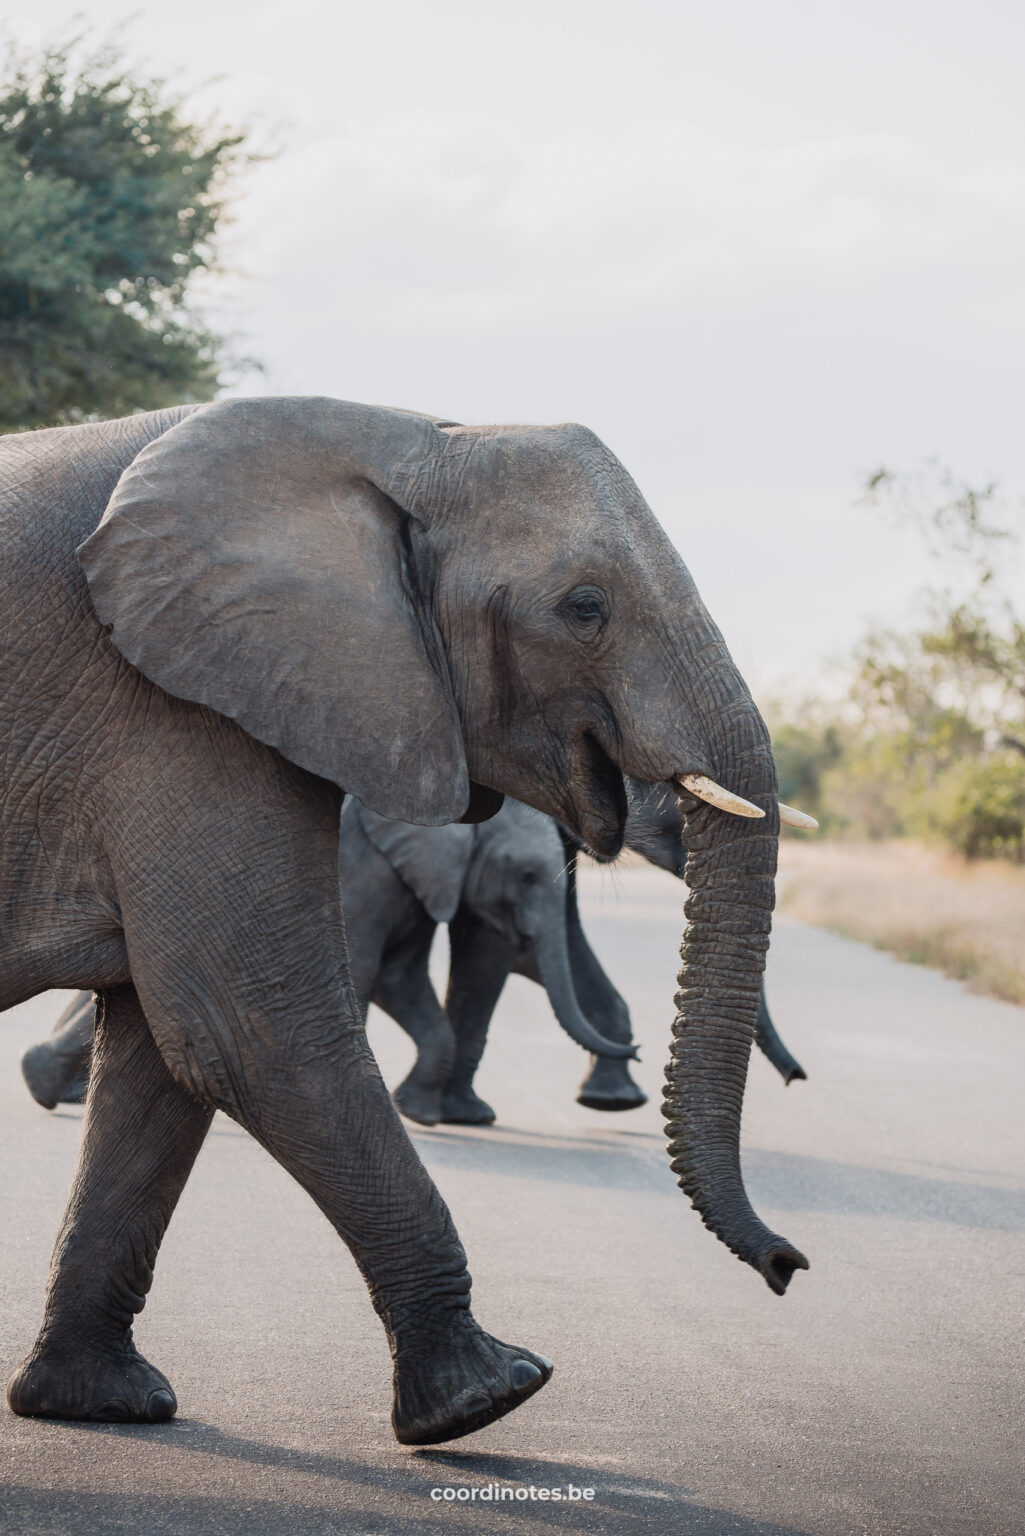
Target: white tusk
791, 818
707, 789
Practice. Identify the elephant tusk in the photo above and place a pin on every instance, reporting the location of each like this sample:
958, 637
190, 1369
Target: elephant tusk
702, 788
791, 818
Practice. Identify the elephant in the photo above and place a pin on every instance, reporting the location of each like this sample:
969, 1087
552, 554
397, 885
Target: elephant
508, 889
216, 622
500, 879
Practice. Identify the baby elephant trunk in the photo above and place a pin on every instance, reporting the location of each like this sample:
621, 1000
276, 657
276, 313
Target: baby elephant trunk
553, 965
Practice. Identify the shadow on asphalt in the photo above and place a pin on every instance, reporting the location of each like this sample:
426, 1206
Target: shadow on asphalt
784, 1180
393, 1497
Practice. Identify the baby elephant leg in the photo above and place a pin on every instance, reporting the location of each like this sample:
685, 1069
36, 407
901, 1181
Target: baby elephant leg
404, 991
481, 961
141, 1136
56, 1071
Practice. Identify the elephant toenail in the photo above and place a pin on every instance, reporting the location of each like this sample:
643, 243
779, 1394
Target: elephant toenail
525, 1374
160, 1406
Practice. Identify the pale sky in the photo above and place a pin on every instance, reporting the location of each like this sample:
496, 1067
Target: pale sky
760, 246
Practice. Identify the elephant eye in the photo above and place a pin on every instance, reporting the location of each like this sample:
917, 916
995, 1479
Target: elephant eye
586, 609
529, 877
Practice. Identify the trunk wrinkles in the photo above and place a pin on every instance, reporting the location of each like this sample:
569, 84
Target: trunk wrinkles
731, 870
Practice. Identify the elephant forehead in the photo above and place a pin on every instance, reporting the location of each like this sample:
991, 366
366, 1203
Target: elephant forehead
520, 835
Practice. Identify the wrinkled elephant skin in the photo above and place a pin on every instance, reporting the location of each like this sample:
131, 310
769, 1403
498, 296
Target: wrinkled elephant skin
214, 621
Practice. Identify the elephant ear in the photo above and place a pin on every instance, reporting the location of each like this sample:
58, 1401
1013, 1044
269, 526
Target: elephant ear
432, 861
259, 558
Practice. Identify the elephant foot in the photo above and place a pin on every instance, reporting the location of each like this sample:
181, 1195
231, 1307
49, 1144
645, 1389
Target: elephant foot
463, 1107
461, 1385
51, 1079
609, 1087
419, 1103
74, 1381
612, 1102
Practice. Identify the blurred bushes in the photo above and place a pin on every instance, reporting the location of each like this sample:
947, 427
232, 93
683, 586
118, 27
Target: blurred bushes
929, 740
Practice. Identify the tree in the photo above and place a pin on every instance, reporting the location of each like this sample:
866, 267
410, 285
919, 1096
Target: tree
110, 200
929, 741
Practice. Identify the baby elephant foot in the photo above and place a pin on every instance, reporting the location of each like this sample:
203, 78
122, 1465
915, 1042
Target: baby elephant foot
74, 1381
52, 1079
419, 1103
461, 1385
461, 1106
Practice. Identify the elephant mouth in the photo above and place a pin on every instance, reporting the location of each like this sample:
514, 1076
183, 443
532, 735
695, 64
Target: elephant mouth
598, 815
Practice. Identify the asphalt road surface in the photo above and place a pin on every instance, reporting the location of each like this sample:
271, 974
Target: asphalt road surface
884, 1393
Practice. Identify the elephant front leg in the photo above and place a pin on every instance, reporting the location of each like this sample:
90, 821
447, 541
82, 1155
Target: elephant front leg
335, 1129
405, 992
608, 1084
481, 961
240, 960
141, 1136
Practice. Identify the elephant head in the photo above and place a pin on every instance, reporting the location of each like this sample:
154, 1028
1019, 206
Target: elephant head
411, 608
514, 885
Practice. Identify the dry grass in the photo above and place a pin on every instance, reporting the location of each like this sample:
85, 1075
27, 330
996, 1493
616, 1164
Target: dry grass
967, 920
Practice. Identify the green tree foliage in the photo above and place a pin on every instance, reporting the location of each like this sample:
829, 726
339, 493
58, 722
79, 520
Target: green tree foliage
109, 203
930, 740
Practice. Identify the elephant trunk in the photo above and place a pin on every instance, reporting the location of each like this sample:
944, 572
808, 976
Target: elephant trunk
556, 978
730, 873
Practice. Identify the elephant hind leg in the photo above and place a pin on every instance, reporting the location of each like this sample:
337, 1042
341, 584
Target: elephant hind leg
141, 1136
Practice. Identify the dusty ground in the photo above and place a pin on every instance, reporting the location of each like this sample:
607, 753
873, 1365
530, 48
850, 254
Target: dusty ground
883, 1394
967, 920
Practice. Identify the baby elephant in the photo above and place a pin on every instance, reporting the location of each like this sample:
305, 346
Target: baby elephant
501, 886
508, 890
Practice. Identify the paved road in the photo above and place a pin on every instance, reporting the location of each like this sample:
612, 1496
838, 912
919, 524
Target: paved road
882, 1394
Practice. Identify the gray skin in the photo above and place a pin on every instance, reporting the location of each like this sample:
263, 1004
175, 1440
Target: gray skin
216, 620
507, 877
398, 882
655, 829
503, 886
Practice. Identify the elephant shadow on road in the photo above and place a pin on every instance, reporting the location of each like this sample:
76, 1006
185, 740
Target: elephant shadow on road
785, 1181
388, 1494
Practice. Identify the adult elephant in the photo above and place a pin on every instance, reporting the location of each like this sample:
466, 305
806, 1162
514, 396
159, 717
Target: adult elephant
217, 619
508, 889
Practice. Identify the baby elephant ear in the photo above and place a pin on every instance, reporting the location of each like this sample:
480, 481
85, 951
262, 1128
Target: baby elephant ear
258, 558
432, 861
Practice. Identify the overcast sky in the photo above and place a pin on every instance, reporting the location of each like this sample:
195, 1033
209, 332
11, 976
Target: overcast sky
760, 246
